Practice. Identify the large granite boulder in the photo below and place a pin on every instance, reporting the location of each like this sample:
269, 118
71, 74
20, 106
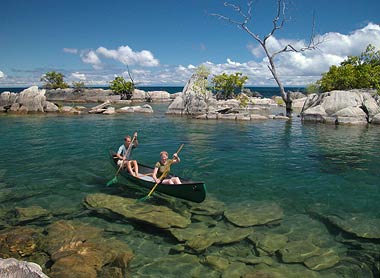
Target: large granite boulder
177, 107
159, 96
340, 107
139, 95
7, 98
192, 101
21, 269
31, 99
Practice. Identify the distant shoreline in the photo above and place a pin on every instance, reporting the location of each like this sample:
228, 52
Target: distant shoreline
264, 91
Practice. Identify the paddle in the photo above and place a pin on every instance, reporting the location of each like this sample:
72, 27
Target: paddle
114, 180
161, 178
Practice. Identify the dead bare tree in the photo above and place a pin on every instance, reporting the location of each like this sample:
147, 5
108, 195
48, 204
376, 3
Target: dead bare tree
278, 22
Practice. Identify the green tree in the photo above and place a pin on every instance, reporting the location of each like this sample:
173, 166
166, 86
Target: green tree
200, 84
54, 80
122, 87
78, 86
356, 72
312, 88
226, 86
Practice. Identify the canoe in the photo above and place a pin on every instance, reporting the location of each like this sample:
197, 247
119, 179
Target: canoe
194, 191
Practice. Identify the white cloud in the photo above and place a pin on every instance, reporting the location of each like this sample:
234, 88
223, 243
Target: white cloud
78, 75
296, 69
306, 67
70, 50
92, 58
127, 56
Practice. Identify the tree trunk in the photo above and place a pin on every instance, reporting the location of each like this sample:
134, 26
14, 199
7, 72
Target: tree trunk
285, 96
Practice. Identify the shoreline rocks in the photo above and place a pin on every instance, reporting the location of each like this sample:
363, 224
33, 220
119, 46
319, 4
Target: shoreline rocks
355, 107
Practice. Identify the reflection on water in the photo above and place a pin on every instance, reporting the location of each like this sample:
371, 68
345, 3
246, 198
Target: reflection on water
55, 162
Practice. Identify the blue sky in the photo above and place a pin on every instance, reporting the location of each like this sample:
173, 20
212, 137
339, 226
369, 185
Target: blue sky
162, 42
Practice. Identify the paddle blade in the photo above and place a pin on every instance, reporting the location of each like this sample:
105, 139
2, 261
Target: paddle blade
143, 199
114, 180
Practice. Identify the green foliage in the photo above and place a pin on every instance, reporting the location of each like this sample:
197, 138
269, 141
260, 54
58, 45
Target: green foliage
54, 80
355, 72
243, 99
122, 87
201, 83
78, 86
226, 86
312, 88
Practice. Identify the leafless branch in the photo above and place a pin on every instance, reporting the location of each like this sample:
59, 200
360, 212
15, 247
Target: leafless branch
278, 22
281, 7
129, 74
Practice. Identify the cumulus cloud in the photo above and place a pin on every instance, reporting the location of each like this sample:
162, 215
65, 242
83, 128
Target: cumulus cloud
127, 56
78, 75
123, 54
306, 67
92, 58
295, 69
70, 50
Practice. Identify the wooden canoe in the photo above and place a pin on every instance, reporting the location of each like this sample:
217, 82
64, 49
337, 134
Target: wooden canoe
194, 191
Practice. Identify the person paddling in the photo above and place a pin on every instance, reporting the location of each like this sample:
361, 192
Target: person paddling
164, 166
124, 155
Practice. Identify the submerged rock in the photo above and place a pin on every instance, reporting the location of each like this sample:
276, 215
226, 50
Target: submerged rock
312, 256
159, 216
199, 236
31, 213
19, 242
254, 213
325, 260
172, 266
268, 242
78, 250
211, 206
358, 224
298, 251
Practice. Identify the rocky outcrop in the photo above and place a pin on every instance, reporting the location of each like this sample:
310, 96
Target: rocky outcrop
34, 100
101, 95
158, 96
146, 108
341, 107
192, 102
82, 96
29, 100
7, 98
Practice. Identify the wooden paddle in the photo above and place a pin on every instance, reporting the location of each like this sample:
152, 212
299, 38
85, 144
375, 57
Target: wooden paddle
162, 177
114, 180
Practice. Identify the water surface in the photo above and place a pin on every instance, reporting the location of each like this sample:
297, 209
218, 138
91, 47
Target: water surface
55, 161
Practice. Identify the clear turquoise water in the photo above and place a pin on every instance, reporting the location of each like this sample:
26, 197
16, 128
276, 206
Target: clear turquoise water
55, 161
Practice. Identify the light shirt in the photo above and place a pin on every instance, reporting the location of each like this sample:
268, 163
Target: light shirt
123, 151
